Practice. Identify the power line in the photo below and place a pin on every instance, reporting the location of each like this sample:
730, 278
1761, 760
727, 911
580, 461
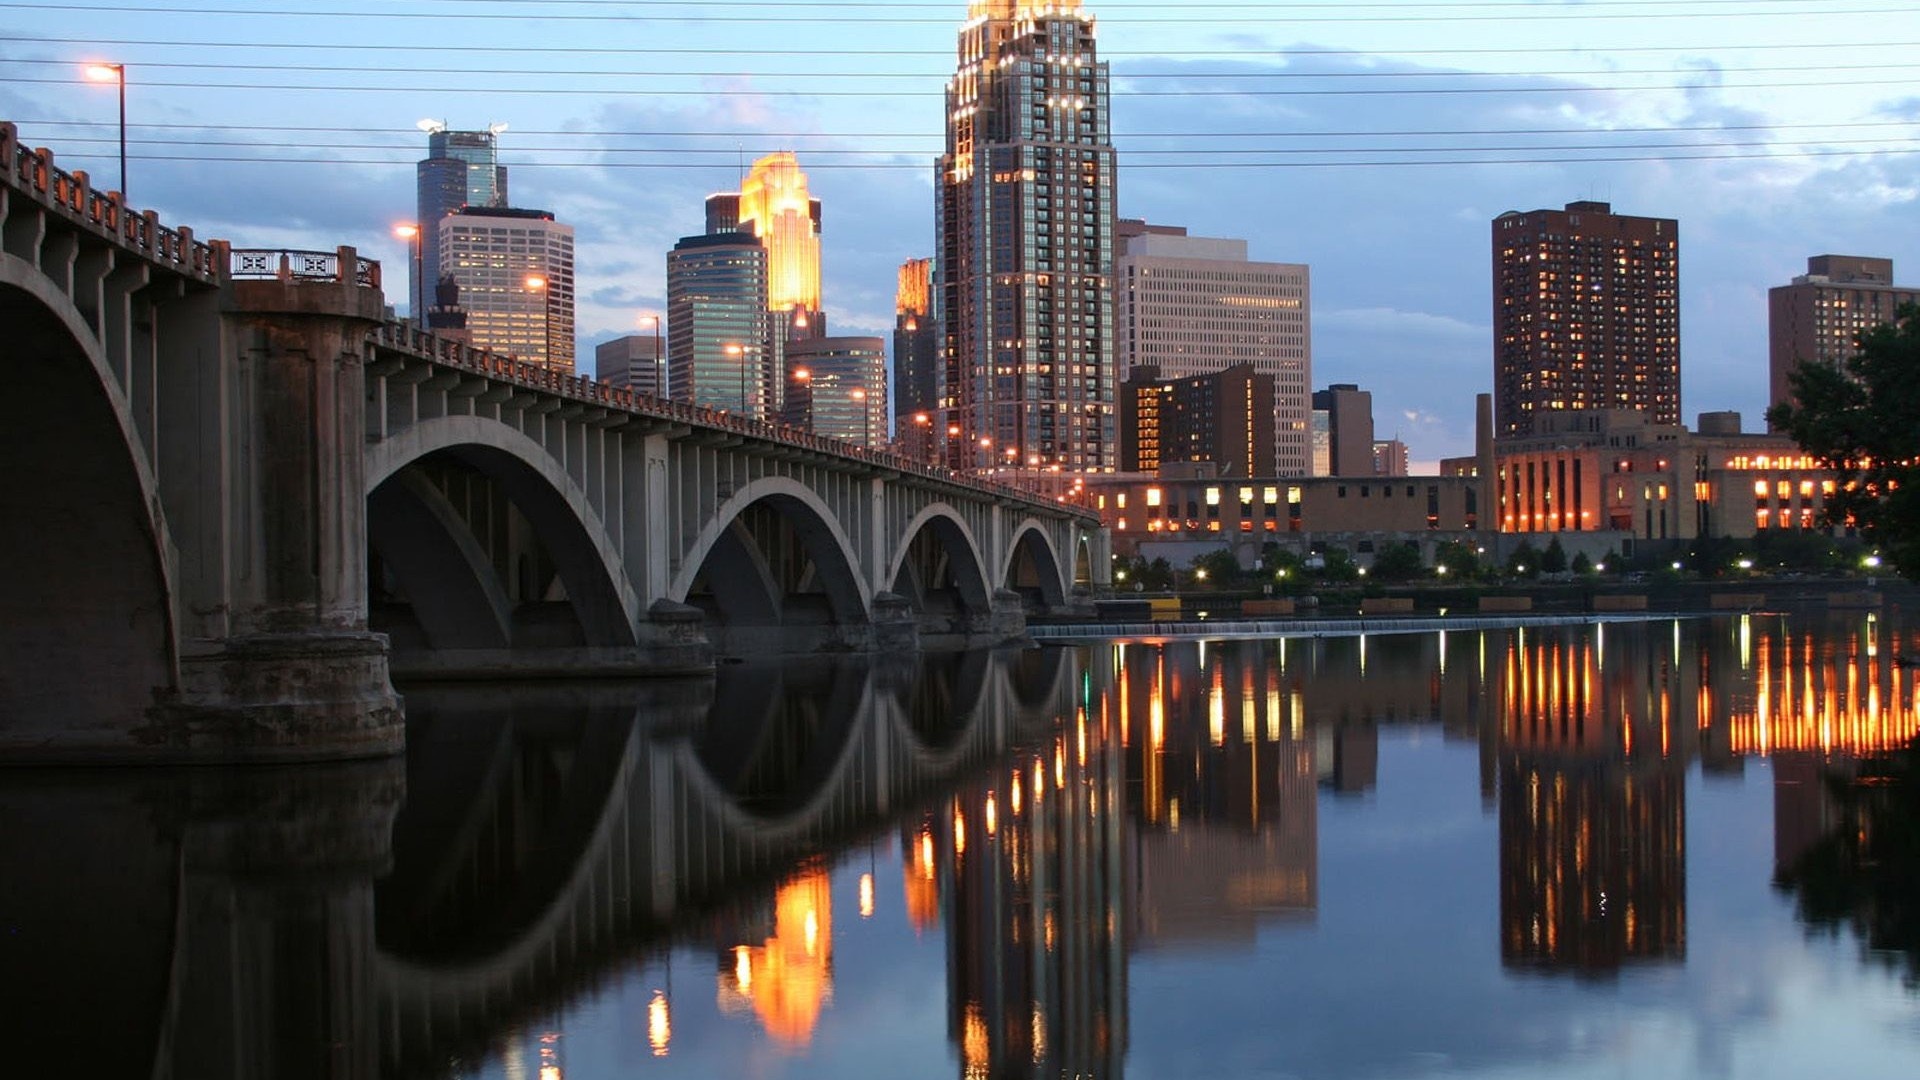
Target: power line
1819, 10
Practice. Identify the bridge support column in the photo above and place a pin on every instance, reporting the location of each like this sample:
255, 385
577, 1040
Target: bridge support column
295, 674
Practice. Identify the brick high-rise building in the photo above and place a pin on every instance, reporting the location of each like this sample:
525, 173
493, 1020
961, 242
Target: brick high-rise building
1225, 417
1586, 314
1817, 318
1349, 412
1025, 241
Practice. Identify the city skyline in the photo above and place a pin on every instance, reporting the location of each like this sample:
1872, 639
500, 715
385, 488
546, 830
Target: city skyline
1398, 252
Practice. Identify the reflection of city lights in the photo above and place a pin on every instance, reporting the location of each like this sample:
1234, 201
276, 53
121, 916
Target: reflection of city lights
743, 967
1013, 797
992, 816
659, 1024
1059, 766
973, 1041
1038, 1033
926, 855
866, 896
959, 832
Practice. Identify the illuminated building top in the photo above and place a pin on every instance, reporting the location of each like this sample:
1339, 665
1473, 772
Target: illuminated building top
776, 207
1019, 9
915, 295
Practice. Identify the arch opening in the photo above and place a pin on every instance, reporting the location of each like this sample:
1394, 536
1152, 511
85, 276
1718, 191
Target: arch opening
84, 578
940, 574
776, 735
1034, 572
471, 549
776, 577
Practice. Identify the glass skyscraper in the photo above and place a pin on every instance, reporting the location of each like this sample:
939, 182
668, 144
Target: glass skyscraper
1025, 243
717, 324
462, 168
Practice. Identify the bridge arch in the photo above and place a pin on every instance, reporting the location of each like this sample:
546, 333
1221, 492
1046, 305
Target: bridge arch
586, 559
1033, 566
944, 525
87, 564
744, 589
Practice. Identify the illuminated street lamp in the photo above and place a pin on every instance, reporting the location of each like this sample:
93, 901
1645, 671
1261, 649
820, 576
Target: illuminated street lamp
740, 352
859, 395
117, 75
410, 232
805, 378
538, 283
659, 356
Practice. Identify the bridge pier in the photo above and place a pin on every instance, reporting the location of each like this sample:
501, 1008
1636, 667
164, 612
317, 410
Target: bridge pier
280, 664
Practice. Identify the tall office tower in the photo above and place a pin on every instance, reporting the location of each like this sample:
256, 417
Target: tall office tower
837, 387
1586, 314
1189, 305
514, 269
633, 362
1817, 318
462, 168
1349, 412
717, 341
774, 205
1025, 240
915, 341
1224, 417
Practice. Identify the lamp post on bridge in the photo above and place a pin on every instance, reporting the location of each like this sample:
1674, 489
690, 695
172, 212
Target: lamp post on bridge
739, 352
859, 395
116, 74
539, 284
805, 378
410, 232
659, 357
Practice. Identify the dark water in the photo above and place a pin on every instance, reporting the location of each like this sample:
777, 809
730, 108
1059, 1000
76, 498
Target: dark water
1668, 849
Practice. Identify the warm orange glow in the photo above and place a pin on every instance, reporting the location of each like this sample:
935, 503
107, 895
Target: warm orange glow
105, 72
1842, 699
406, 230
866, 896
802, 374
536, 282
788, 979
915, 294
775, 204
659, 1024
922, 893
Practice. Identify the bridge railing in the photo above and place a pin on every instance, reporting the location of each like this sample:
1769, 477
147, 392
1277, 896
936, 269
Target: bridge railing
407, 338
33, 172
278, 265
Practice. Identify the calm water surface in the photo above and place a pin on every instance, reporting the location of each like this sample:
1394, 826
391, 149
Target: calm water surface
1615, 851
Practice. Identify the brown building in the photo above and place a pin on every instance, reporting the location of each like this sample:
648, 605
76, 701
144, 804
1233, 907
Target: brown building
1819, 317
1225, 418
1391, 458
1349, 412
1586, 314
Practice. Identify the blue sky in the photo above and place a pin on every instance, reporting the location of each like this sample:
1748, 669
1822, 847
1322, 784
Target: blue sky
1772, 129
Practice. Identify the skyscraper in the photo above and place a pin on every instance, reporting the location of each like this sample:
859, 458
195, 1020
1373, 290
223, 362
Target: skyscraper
514, 269
1586, 314
717, 341
1191, 305
775, 206
1815, 319
462, 168
837, 387
916, 352
1025, 240
1349, 412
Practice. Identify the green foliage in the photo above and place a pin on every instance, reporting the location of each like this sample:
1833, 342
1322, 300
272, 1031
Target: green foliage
1581, 564
1340, 566
1524, 561
1155, 576
1554, 559
1397, 562
1461, 560
1216, 570
1859, 415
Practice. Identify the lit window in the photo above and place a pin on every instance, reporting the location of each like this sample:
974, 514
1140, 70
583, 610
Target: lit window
1153, 496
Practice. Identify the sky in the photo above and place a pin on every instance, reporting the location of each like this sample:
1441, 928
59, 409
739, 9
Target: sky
1374, 142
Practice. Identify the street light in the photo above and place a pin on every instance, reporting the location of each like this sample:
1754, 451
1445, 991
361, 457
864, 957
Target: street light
538, 283
740, 351
116, 74
410, 232
659, 357
859, 396
805, 378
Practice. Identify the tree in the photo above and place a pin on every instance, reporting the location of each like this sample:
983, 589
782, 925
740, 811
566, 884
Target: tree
1524, 562
1554, 559
1216, 569
1859, 416
1340, 566
1397, 562
1581, 564
1461, 561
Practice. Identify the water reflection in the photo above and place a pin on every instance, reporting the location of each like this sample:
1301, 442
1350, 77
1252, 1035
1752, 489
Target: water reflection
722, 855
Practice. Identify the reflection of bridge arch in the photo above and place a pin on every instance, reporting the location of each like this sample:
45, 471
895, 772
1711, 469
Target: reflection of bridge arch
418, 535
86, 559
736, 567
1033, 566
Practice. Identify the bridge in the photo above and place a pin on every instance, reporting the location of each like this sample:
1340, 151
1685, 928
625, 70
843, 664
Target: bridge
240, 498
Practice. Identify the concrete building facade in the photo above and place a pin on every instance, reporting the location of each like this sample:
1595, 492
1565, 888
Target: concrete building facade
636, 362
514, 269
1190, 306
1586, 315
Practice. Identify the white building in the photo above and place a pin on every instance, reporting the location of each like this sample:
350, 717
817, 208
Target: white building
1191, 305
515, 270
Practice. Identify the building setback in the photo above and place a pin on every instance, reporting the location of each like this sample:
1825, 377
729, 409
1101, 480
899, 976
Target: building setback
462, 168
1586, 314
1818, 317
1349, 412
514, 270
1025, 240
1225, 417
1189, 305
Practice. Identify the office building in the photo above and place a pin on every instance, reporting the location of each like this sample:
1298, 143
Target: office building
1391, 458
1189, 305
1818, 318
837, 387
634, 362
462, 168
1225, 417
1349, 412
514, 271
1586, 315
1025, 240
775, 206
719, 351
